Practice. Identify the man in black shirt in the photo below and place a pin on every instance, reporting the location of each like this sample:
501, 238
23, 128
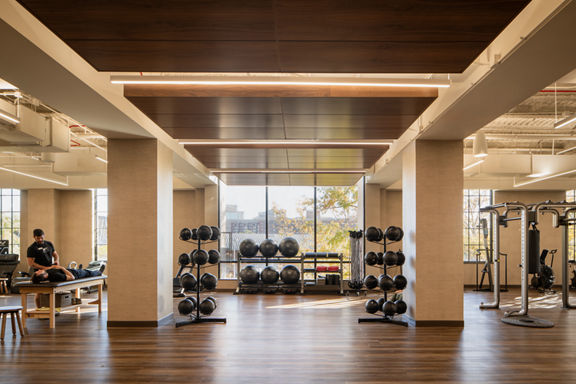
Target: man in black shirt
57, 273
41, 253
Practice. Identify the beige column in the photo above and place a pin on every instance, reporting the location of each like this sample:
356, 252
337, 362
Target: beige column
75, 227
39, 209
140, 237
432, 183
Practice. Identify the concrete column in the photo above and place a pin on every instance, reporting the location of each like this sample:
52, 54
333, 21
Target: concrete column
39, 209
75, 227
140, 234
432, 184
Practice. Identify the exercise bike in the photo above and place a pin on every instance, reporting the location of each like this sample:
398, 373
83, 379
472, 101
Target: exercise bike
544, 279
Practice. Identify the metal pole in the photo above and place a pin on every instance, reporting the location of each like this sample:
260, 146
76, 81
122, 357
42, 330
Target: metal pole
495, 216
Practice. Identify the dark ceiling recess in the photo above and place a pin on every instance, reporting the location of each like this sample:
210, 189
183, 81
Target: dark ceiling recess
304, 36
370, 36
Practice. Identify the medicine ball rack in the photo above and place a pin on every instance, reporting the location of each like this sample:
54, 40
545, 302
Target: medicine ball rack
260, 285
197, 318
383, 318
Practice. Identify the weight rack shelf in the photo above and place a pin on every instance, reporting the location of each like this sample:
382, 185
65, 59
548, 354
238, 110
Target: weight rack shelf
321, 258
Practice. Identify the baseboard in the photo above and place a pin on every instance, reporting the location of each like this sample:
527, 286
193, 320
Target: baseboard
135, 324
434, 323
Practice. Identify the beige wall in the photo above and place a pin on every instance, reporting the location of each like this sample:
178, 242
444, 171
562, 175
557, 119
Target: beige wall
65, 217
75, 227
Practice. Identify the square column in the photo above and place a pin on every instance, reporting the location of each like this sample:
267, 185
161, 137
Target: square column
432, 195
140, 242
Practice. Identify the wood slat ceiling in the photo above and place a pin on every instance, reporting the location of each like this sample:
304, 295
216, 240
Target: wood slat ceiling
321, 36
373, 36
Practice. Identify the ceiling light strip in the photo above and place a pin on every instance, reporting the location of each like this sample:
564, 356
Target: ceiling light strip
285, 142
291, 171
33, 176
564, 122
566, 150
9, 117
516, 185
473, 164
338, 82
101, 159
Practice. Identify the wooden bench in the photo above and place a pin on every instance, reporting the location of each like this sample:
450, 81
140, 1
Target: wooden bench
27, 288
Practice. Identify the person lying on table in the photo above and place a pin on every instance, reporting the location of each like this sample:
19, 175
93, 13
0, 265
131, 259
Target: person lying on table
56, 273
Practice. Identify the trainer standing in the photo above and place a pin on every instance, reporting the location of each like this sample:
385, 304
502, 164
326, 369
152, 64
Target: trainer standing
41, 253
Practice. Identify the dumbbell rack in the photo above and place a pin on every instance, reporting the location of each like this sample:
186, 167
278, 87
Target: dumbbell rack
383, 318
197, 317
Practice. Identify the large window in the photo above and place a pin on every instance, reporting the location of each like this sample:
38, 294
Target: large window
318, 217
473, 234
571, 196
10, 209
242, 216
100, 198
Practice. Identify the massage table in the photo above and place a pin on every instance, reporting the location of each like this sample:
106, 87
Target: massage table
27, 288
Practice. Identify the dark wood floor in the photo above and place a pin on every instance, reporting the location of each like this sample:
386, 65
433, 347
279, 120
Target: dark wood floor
295, 339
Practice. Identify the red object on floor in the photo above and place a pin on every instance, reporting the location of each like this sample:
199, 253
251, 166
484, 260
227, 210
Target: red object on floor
321, 269
333, 269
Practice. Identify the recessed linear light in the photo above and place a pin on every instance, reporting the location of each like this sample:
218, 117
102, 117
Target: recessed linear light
473, 164
566, 150
32, 176
564, 122
288, 171
101, 159
544, 178
538, 174
268, 80
286, 142
8, 117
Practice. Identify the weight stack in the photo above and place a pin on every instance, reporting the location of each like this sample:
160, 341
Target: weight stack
533, 251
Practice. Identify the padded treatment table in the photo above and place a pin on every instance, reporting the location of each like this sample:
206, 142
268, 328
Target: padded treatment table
52, 289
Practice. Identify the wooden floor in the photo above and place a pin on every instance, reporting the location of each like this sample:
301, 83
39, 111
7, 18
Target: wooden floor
295, 339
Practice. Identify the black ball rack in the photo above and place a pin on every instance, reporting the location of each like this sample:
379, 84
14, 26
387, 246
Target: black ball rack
383, 318
197, 318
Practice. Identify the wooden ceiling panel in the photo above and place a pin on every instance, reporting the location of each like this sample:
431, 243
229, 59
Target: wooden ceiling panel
384, 133
378, 57
356, 106
255, 179
217, 121
178, 56
168, 20
336, 152
419, 36
227, 133
211, 105
407, 20
348, 121
228, 158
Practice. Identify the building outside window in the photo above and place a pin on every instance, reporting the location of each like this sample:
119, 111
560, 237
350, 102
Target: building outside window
473, 234
318, 217
100, 200
10, 226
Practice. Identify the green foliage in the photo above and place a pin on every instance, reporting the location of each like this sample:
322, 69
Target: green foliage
337, 212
